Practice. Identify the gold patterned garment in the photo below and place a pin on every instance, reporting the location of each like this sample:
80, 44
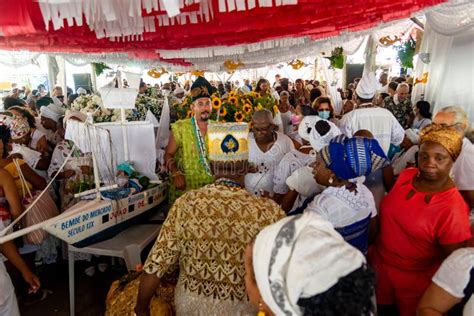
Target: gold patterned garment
206, 233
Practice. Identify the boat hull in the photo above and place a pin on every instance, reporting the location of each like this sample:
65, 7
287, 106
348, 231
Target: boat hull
89, 222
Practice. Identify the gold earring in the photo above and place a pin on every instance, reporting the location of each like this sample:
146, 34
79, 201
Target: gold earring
260, 309
331, 180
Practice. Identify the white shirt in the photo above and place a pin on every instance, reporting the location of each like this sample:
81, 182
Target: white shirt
463, 168
454, 274
286, 121
291, 162
379, 121
342, 207
8, 302
420, 124
35, 137
266, 163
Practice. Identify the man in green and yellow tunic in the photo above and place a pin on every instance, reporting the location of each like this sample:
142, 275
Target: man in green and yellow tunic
186, 156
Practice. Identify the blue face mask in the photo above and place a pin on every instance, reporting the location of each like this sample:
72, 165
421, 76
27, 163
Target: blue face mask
324, 114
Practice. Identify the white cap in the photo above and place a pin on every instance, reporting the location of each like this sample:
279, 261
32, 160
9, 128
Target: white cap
179, 90
81, 91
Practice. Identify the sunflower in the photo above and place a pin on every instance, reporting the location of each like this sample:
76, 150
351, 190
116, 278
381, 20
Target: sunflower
189, 114
247, 108
239, 117
232, 94
216, 103
222, 112
233, 100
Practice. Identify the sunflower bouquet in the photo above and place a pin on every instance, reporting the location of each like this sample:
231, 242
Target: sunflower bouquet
236, 107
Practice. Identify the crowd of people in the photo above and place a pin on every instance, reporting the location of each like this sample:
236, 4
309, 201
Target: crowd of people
376, 199
359, 212
33, 149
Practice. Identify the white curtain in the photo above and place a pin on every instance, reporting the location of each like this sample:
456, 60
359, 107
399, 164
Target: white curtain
446, 55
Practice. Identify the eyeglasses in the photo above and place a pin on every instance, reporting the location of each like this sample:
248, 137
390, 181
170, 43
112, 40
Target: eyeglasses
451, 126
264, 129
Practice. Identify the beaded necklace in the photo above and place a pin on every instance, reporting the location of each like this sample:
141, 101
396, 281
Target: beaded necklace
228, 182
201, 147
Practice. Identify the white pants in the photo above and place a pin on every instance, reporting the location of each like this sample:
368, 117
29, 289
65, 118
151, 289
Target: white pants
8, 303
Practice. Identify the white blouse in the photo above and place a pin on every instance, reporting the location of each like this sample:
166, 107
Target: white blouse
266, 163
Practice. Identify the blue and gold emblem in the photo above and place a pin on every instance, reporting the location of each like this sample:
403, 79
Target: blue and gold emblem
228, 141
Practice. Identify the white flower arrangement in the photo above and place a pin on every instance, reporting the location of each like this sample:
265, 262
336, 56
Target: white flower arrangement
93, 104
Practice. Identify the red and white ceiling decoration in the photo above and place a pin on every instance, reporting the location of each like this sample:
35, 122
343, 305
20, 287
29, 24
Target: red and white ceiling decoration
195, 34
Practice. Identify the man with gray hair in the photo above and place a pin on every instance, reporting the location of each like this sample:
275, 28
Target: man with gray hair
266, 148
400, 105
463, 168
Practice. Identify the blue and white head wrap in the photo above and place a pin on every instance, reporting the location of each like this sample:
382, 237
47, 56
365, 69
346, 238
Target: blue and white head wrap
350, 158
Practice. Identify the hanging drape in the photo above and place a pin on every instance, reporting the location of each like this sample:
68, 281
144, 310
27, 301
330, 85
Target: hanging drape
192, 34
446, 57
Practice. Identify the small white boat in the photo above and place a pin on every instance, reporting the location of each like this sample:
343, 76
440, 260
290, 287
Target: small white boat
88, 222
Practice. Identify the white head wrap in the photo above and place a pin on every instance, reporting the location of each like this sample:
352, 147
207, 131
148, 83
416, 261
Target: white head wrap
299, 257
179, 90
81, 91
308, 132
412, 135
52, 111
367, 86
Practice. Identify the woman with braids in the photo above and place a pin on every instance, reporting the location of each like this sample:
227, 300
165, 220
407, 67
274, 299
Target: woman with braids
302, 266
422, 220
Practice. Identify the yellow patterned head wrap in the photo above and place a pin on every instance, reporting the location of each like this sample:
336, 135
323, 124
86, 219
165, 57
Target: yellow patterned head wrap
443, 135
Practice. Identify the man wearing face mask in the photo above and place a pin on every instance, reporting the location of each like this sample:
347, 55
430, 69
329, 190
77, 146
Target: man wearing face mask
400, 105
186, 156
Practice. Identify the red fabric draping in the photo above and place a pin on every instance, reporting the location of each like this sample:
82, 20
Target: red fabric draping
314, 18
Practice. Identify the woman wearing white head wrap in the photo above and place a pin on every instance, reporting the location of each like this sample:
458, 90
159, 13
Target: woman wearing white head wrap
302, 266
52, 111
315, 134
315, 130
50, 116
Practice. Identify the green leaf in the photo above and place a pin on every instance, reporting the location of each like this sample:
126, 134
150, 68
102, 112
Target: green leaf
99, 68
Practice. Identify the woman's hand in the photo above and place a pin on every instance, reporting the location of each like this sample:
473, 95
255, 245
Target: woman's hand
179, 181
32, 280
